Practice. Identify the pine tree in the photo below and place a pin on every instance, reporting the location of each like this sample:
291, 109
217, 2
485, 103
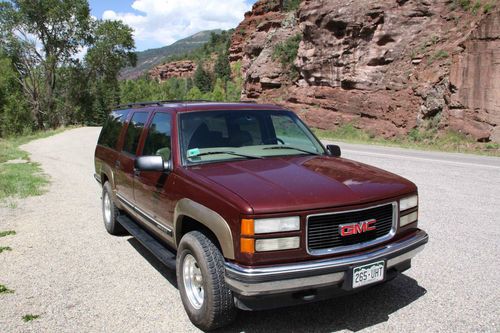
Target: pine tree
202, 79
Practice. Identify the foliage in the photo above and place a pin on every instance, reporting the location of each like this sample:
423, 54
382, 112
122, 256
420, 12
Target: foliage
7, 233
202, 79
290, 5
5, 290
44, 83
30, 317
5, 248
286, 52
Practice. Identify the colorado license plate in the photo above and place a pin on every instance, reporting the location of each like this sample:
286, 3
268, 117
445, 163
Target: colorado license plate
367, 274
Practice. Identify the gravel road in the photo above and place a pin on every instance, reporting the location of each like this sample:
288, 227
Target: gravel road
64, 266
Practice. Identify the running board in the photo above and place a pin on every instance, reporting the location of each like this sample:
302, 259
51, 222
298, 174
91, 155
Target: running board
149, 242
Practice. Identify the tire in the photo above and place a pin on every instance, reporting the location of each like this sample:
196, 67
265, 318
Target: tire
213, 307
110, 213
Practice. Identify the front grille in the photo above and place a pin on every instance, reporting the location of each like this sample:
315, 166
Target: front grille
323, 230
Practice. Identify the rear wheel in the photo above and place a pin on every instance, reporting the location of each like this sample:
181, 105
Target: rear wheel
200, 278
110, 213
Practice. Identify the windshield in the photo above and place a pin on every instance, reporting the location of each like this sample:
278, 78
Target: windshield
211, 136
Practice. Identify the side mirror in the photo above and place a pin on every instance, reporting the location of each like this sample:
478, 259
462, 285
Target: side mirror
334, 150
152, 163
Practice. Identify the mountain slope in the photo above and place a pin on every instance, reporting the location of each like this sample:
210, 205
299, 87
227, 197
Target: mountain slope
152, 57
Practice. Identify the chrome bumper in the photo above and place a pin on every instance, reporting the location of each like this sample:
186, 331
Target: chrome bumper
320, 273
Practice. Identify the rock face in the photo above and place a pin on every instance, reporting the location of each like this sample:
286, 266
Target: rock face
177, 69
386, 66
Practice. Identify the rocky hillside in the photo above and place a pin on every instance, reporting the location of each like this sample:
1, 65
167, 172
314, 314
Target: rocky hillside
153, 57
385, 66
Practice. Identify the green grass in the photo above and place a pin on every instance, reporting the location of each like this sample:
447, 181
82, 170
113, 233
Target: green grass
30, 317
25, 179
7, 233
5, 290
5, 248
449, 141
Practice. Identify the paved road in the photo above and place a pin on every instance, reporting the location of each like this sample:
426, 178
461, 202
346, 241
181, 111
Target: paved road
65, 267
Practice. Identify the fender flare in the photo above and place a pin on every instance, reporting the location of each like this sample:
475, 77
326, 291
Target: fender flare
209, 218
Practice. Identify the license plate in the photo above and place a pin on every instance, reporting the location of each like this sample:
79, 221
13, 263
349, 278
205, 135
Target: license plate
367, 274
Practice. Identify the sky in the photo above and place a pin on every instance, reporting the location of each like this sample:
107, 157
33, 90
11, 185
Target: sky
157, 23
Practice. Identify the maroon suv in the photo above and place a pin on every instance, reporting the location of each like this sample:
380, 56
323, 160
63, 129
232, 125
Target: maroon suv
249, 207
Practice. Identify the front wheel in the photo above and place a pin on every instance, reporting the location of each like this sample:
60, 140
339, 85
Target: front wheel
200, 278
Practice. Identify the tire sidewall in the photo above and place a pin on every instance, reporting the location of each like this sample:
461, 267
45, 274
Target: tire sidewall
191, 246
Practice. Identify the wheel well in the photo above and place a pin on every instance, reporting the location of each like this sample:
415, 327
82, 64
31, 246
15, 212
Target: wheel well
189, 224
104, 178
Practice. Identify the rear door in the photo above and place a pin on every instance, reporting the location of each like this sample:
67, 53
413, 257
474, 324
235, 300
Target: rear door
151, 188
124, 166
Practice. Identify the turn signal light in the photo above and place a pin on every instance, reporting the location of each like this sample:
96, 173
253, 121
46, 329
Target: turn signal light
247, 245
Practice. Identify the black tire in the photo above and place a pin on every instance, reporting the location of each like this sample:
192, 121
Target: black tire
110, 223
217, 308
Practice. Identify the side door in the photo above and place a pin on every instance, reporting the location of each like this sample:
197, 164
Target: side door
124, 165
151, 188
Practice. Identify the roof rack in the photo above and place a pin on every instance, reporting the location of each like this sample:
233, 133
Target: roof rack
142, 104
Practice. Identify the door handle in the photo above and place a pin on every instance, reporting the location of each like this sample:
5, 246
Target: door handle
118, 164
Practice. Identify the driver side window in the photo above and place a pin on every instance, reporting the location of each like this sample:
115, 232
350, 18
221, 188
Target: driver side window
159, 135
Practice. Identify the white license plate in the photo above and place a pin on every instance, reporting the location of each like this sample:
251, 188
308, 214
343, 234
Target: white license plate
367, 274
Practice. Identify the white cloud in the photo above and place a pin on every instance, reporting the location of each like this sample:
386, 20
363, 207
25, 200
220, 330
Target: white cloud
165, 21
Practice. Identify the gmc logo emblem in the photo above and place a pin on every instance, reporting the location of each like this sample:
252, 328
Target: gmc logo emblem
357, 228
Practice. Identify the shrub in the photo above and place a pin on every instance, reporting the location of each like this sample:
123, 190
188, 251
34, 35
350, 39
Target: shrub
287, 51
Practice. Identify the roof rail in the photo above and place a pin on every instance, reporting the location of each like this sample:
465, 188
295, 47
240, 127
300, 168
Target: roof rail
143, 104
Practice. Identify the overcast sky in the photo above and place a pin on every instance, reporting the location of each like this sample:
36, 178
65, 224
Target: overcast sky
157, 23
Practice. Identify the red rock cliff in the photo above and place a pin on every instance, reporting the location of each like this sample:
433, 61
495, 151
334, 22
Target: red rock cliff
387, 66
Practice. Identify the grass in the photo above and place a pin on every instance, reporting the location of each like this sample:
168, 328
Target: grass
5, 248
449, 141
5, 290
30, 317
7, 233
24, 179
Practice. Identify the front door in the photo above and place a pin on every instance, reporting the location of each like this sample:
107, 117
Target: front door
151, 188
124, 165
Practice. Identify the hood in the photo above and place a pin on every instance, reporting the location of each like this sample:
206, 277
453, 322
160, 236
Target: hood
303, 183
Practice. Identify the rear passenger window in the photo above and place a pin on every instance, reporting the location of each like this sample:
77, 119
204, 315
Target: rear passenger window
158, 140
112, 128
134, 132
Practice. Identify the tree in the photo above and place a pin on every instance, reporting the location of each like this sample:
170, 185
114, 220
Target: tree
201, 79
40, 36
222, 68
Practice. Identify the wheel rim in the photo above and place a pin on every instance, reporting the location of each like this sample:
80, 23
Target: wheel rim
107, 208
193, 281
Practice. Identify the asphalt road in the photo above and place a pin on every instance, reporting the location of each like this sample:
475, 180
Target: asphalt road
67, 269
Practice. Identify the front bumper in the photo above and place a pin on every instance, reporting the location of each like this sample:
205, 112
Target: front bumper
296, 277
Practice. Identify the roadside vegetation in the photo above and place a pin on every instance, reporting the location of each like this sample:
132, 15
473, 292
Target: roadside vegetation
22, 178
30, 317
424, 139
5, 290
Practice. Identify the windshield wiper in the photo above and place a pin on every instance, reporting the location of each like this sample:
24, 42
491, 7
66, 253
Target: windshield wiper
226, 152
294, 148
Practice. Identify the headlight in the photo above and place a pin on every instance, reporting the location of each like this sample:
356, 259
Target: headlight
408, 202
275, 244
407, 219
265, 226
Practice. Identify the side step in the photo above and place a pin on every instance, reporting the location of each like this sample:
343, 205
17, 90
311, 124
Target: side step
149, 242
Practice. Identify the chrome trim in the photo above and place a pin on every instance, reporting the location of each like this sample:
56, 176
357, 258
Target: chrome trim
148, 217
300, 276
97, 178
358, 246
420, 237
